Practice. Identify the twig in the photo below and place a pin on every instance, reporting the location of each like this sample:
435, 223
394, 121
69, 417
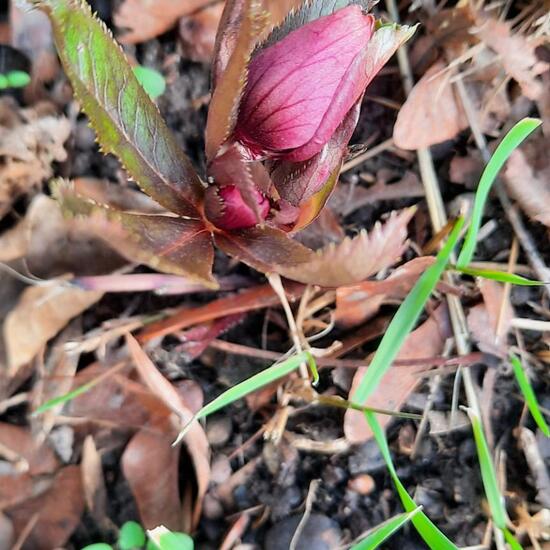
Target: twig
307, 512
531, 324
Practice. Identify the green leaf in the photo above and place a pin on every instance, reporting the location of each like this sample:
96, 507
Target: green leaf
384, 531
488, 475
512, 140
127, 122
18, 79
163, 539
249, 385
131, 536
529, 395
405, 319
98, 546
181, 246
151, 80
432, 536
501, 276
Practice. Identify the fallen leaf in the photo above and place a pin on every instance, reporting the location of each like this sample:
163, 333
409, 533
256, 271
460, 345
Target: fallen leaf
58, 509
51, 245
355, 304
431, 113
347, 198
197, 33
195, 440
527, 178
398, 383
142, 20
28, 148
93, 482
516, 54
483, 319
42, 311
151, 467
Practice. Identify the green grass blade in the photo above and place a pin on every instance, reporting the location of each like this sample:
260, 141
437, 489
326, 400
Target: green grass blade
488, 475
510, 539
529, 395
249, 385
500, 276
76, 392
432, 536
405, 319
384, 531
512, 140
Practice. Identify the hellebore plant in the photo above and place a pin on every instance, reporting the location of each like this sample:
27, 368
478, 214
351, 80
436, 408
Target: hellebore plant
285, 103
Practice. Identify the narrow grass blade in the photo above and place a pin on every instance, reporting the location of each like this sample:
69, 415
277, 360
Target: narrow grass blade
514, 544
65, 398
512, 140
405, 319
501, 276
488, 475
432, 536
529, 395
384, 531
249, 385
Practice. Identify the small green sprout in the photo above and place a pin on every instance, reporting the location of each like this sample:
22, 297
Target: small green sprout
14, 79
151, 80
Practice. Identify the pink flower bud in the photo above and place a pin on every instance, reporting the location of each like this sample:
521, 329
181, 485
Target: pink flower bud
231, 210
301, 88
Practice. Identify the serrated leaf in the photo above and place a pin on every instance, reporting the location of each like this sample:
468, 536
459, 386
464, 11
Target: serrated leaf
127, 122
271, 250
181, 246
226, 96
355, 259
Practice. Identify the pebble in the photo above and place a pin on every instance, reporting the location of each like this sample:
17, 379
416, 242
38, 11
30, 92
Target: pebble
319, 533
362, 484
218, 430
220, 470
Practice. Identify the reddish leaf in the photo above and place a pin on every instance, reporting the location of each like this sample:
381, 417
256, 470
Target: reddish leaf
398, 383
229, 86
249, 300
58, 509
176, 245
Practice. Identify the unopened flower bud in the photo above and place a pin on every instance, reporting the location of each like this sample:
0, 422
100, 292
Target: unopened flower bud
300, 89
227, 209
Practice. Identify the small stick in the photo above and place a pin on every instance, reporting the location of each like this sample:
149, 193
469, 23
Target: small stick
307, 512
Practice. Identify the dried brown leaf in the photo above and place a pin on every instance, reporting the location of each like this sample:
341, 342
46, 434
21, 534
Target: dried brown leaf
42, 311
58, 509
527, 178
431, 113
198, 33
355, 259
516, 53
52, 245
484, 319
29, 144
195, 440
93, 482
142, 20
355, 304
397, 384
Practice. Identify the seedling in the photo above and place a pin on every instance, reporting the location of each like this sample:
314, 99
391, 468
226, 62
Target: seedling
14, 79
